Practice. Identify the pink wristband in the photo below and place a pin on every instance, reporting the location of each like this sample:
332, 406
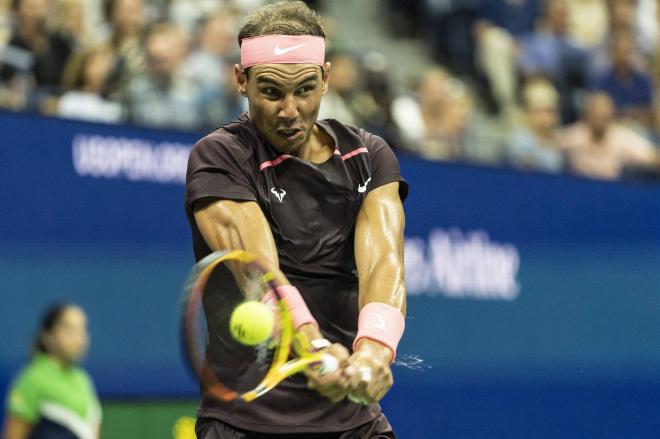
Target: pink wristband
297, 306
382, 323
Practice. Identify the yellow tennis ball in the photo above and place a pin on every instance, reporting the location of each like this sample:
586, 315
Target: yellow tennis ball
251, 323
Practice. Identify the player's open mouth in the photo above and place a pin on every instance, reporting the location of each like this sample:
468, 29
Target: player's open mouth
290, 134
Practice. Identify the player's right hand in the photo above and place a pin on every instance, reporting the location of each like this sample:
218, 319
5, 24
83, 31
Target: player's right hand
330, 384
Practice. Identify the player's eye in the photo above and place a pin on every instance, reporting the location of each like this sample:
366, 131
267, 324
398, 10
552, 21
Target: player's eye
270, 92
306, 89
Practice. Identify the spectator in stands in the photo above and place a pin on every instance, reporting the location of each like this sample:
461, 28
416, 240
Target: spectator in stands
5, 23
551, 52
629, 87
221, 103
419, 117
342, 97
587, 21
34, 56
127, 20
188, 14
441, 123
501, 23
599, 147
646, 23
163, 97
448, 28
69, 19
215, 44
536, 146
85, 80
465, 132
360, 93
621, 15
378, 97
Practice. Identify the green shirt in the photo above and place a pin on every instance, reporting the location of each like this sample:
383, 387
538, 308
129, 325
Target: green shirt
64, 395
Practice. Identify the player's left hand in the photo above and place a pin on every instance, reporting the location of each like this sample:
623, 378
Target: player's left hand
326, 384
367, 374
330, 384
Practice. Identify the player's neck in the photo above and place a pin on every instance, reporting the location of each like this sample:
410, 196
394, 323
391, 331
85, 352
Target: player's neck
319, 148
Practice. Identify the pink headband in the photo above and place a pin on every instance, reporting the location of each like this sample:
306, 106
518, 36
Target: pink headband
282, 49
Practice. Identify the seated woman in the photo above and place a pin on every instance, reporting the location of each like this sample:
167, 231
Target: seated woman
52, 397
85, 80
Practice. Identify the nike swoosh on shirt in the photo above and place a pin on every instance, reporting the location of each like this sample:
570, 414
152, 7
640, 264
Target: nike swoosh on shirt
278, 51
363, 187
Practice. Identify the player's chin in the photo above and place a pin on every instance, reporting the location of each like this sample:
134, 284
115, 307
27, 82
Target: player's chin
76, 355
287, 142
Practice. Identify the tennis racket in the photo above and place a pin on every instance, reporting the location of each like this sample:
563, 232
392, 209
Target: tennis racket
226, 369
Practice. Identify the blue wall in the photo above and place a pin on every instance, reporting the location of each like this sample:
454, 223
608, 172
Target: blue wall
534, 300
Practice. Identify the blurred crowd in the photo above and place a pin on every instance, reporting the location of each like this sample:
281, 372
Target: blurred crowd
162, 64
556, 86
546, 85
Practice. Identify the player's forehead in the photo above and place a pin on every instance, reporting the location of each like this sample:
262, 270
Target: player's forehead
285, 74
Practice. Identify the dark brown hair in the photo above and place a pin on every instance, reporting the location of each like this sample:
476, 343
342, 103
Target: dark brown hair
49, 320
73, 77
283, 18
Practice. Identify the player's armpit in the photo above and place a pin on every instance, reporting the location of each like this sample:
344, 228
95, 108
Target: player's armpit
16, 428
236, 225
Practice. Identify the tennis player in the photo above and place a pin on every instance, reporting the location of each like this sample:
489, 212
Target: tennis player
323, 202
53, 397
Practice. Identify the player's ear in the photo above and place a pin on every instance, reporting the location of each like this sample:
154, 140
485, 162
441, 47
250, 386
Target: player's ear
241, 80
326, 76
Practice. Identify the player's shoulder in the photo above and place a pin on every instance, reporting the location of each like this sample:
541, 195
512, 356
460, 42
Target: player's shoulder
238, 138
348, 134
35, 374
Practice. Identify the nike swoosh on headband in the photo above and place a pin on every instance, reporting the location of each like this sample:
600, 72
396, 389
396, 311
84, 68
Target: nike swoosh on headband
278, 51
282, 49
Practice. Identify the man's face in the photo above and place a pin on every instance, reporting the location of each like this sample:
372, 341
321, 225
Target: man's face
284, 101
165, 53
543, 117
599, 113
218, 35
558, 15
33, 11
128, 15
623, 47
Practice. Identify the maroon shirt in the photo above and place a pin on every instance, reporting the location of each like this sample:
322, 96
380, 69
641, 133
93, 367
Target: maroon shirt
311, 209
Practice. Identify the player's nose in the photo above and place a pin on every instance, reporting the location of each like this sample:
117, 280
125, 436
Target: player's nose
288, 108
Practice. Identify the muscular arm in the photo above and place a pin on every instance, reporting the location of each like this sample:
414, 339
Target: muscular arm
16, 428
379, 260
379, 248
227, 224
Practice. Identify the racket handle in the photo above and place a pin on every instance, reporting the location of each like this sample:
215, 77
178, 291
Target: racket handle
328, 364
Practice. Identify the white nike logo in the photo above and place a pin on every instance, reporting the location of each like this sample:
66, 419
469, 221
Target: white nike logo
277, 51
380, 322
363, 187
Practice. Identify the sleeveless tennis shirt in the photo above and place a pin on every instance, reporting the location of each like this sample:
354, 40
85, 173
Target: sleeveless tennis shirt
60, 402
311, 209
